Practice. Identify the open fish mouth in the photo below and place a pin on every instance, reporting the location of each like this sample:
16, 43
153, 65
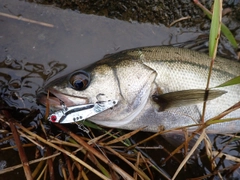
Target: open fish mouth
55, 99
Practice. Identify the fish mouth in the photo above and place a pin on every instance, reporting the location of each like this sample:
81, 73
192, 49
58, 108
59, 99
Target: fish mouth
55, 99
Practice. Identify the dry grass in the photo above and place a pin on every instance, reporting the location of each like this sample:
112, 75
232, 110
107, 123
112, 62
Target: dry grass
94, 154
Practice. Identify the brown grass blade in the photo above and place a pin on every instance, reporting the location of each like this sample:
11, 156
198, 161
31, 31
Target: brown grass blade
38, 168
146, 163
139, 171
22, 155
26, 20
30, 162
201, 137
227, 156
95, 152
123, 137
137, 165
145, 140
63, 151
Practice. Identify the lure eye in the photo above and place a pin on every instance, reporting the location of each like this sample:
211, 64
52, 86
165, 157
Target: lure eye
79, 80
53, 118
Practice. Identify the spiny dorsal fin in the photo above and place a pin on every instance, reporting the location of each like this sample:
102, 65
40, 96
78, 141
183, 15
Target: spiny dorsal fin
185, 97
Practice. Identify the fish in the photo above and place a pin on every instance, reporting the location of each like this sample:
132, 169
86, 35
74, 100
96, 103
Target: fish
158, 87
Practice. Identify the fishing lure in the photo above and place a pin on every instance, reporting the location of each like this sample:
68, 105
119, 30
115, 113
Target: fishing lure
77, 113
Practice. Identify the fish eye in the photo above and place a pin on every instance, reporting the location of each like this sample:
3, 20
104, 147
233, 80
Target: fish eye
79, 80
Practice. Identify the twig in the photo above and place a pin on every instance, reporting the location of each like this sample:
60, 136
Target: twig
123, 137
189, 154
26, 20
50, 163
146, 163
48, 153
30, 139
44, 170
30, 162
178, 20
38, 168
227, 156
12, 147
137, 165
67, 160
63, 169
21, 151
139, 171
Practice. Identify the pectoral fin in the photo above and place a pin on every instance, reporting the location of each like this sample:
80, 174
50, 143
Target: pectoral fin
185, 97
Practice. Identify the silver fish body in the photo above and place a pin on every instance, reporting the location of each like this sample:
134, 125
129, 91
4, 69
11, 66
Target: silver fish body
133, 76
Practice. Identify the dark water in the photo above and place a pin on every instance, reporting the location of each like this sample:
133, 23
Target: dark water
32, 54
